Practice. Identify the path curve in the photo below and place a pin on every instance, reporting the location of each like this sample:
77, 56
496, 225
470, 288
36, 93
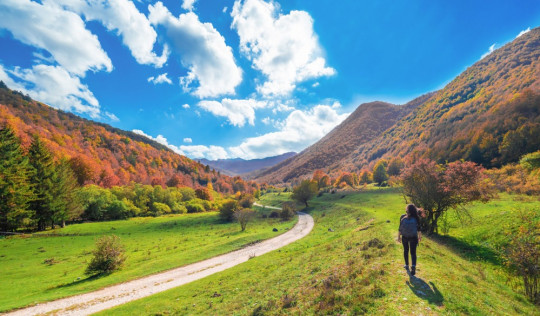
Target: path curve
85, 304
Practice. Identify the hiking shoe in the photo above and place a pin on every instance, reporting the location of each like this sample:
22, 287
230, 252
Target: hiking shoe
406, 267
413, 270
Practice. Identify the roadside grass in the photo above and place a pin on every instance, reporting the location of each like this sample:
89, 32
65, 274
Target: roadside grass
351, 264
37, 269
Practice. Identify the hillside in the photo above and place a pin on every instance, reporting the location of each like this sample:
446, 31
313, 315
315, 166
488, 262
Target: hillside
104, 155
489, 114
368, 121
239, 166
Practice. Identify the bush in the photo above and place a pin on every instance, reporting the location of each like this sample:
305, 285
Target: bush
523, 255
160, 209
226, 212
274, 214
108, 256
178, 208
243, 216
287, 211
246, 200
194, 207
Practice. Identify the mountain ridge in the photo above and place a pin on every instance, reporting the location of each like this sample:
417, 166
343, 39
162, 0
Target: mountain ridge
239, 166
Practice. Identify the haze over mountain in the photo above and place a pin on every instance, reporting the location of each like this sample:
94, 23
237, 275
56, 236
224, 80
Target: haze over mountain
104, 155
488, 114
238, 166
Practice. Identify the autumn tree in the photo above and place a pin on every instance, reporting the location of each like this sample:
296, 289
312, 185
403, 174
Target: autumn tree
365, 177
244, 216
16, 191
437, 189
379, 172
305, 191
395, 166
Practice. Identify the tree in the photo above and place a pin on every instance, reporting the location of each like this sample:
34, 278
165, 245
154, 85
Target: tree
16, 191
227, 210
395, 166
43, 179
365, 177
379, 172
67, 204
243, 216
437, 189
305, 191
108, 256
287, 211
246, 200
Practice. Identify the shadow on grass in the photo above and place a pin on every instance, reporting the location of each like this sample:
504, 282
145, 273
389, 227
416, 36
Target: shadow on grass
468, 251
424, 291
79, 281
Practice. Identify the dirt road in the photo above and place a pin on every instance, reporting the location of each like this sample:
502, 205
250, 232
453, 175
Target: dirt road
108, 297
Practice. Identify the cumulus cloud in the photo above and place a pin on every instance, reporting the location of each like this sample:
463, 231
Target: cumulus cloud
188, 140
238, 112
299, 130
160, 79
55, 86
192, 151
283, 47
131, 25
212, 70
523, 32
185, 106
62, 33
188, 4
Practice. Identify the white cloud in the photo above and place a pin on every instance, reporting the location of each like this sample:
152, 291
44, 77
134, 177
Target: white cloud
237, 111
212, 69
123, 17
523, 32
193, 151
112, 117
490, 50
283, 47
299, 130
160, 79
225, 9
185, 106
188, 140
55, 86
188, 4
315, 85
62, 33
208, 152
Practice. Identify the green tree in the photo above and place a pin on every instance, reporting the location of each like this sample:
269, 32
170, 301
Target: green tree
379, 172
395, 166
305, 191
16, 191
67, 205
43, 178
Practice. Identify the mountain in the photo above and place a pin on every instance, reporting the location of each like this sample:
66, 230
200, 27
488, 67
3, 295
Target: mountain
239, 166
489, 114
104, 155
368, 121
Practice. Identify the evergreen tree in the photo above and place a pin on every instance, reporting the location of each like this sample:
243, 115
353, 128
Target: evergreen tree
67, 205
16, 192
43, 179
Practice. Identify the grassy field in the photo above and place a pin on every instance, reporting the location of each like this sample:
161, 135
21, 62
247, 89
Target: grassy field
36, 269
351, 264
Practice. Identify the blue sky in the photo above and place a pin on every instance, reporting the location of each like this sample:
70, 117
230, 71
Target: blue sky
249, 79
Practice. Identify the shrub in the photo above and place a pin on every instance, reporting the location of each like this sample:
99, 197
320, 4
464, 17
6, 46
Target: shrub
226, 212
194, 207
246, 200
108, 256
160, 209
178, 208
274, 214
287, 211
523, 255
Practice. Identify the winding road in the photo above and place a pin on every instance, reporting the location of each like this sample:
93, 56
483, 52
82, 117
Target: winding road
85, 304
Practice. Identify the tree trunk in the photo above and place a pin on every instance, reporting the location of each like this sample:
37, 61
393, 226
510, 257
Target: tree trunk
63, 224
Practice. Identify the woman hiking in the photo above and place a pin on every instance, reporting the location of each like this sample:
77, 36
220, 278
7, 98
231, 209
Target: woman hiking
409, 235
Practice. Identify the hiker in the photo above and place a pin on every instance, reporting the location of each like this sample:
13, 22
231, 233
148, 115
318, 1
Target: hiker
409, 235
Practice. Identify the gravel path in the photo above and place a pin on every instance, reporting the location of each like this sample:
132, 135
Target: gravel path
108, 297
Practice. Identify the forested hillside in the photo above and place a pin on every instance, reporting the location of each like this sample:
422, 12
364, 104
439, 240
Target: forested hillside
104, 155
490, 114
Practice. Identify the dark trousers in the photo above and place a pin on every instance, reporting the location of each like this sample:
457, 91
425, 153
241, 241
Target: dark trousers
409, 243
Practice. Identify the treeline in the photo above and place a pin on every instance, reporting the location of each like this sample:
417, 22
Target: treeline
37, 192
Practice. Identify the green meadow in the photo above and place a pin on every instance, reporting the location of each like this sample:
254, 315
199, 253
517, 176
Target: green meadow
351, 264
43, 268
